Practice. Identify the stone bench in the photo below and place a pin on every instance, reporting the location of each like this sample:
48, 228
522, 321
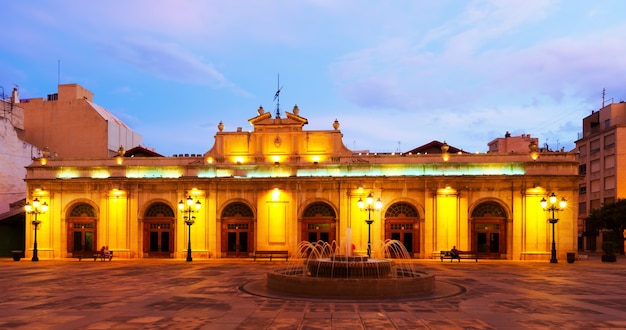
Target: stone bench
95, 256
270, 254
461, 255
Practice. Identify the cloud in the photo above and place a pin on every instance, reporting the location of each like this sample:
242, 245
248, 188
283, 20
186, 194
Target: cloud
167, 60
480, 56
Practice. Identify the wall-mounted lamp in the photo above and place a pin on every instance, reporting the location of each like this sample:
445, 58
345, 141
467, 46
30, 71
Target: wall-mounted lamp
45, 154
276, 194
534, 153
119, 159
445, 155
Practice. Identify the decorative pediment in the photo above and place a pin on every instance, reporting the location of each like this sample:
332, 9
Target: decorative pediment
265, 121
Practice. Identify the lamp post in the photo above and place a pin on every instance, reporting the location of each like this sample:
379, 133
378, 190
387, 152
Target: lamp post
35, 209
189, 219
369, 206
551, 205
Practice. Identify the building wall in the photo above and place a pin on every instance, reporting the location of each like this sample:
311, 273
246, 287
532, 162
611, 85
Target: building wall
601, 156
445, 195
71, 125
444, 222
15, 155
512, 143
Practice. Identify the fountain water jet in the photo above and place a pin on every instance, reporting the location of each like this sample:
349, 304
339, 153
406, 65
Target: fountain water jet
320, 271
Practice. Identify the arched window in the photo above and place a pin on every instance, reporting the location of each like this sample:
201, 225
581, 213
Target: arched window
160, 210
318, 209
83, 210
237, 209
489, 209
399, 210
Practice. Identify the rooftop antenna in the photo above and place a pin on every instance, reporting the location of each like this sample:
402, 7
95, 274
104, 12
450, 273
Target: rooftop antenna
603, 94
277, 97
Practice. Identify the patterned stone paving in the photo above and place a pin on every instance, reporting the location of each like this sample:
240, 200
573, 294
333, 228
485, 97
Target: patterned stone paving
225, 294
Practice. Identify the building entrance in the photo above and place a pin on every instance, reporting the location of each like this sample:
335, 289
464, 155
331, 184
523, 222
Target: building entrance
318, 232
238, 239
158, 231
83, 238
488, 241
81, 229
489, 230
319, 223
402, 224
160, 244
237, 230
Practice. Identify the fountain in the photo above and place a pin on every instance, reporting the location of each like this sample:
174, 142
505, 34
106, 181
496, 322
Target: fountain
320, 271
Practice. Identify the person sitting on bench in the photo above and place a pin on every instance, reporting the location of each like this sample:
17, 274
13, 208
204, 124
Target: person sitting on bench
454, 254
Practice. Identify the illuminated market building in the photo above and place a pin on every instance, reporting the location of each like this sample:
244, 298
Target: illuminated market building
279, 184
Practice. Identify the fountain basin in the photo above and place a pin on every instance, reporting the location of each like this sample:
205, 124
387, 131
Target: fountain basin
295, 282
349, 267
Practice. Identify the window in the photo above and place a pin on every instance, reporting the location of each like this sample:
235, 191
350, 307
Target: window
607, 123
582, 207
595, 204
609, 140
582, 169
582, 189
609, 182
595, 186
609, 161
609, 200
595, 145
595, 127
595, 166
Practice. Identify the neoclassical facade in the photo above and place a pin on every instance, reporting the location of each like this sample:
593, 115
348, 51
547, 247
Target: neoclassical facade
279, 184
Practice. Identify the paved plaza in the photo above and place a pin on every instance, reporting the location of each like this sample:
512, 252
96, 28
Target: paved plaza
229, 294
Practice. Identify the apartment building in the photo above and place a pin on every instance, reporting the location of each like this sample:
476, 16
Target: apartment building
602, 152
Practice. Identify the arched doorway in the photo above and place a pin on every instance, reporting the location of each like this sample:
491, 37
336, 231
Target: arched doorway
488, 224
158, 231
237, 230
318, 223
81, 229
402, 224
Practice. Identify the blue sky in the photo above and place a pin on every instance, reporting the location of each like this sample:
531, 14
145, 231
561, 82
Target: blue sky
396, 74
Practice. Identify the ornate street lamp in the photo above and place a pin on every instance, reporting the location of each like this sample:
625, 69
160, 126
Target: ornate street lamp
369, 206
551, 205
35, 209
189, 219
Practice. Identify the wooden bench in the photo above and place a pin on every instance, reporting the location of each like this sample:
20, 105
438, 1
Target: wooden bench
270, 254
95, 255
462, 255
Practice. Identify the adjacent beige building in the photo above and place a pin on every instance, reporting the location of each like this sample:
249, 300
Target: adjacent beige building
279, 185
602, 153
